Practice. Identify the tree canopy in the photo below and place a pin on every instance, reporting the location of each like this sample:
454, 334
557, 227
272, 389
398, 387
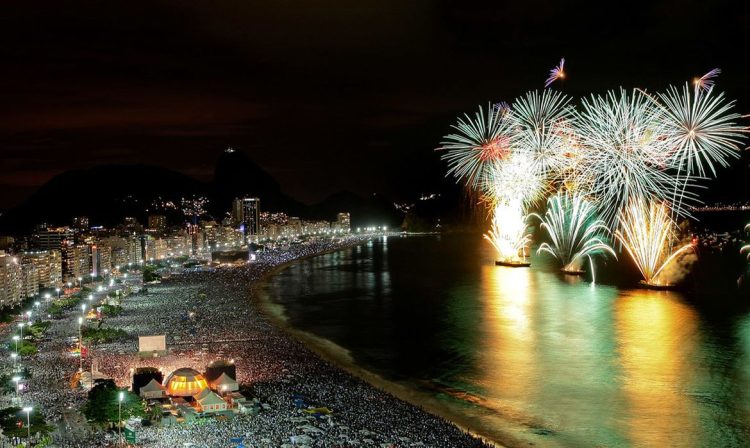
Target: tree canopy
13, 422
103, 402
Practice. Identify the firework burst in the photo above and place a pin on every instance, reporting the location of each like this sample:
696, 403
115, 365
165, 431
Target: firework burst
700, 129
706, 82
647, 232
513, 180
508, 233
574, 231
539, 121
556, 73
478, 140
628, 162
623, 155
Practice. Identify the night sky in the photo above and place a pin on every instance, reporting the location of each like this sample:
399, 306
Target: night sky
325, 95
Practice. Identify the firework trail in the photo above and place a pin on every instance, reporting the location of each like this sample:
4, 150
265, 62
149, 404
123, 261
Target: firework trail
647, 232
508, 232
556, 73
574, 231
706, 82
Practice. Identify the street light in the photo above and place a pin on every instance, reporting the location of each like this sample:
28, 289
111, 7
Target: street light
14, 356
121, 396
16, 338
28, 410
20, 325
58, 292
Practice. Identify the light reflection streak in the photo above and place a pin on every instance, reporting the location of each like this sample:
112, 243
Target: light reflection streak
656, 336
509, 360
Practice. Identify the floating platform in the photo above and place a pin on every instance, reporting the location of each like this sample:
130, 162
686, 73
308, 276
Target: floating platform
665, 287
572, 271
513, 264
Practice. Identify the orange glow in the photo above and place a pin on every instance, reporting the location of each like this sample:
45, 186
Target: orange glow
496, 149
652, 358
183, 386
510, 363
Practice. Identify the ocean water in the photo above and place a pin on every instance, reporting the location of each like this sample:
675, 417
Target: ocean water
527, 355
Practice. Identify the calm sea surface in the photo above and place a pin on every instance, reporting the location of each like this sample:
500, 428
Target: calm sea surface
528, 355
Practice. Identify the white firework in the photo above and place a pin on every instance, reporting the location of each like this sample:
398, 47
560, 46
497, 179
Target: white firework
540, 121
624, 154
478, 140
575, 232
700, 128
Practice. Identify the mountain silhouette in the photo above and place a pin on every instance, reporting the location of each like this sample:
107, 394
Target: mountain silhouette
106, 194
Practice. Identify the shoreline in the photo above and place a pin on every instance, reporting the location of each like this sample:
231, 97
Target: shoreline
325, 349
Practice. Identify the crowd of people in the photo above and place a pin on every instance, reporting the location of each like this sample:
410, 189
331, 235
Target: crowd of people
207, 316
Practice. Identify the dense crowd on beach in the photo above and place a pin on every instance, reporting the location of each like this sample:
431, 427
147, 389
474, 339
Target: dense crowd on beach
208, 316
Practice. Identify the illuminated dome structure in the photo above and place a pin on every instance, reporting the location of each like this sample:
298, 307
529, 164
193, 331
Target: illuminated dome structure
185, 382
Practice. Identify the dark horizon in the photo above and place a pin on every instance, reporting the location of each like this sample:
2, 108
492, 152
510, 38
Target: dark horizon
324, 97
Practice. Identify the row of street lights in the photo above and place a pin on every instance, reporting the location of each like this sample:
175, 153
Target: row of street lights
16, 338
17, 379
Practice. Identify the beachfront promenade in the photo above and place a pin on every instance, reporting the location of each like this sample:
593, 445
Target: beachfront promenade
213, 315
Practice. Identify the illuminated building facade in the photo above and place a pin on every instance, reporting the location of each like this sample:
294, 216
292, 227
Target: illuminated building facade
52, 238
29, 278
343, 222
48, 266
157, 222
246, 214
75, 261
11, 292
101, 259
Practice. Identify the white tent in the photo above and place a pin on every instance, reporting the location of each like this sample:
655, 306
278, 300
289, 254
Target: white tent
224, 383
210, 402
152, 390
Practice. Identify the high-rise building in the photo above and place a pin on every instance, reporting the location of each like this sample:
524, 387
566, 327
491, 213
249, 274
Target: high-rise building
246, 214
11, 286
29, 278
343, 222
48, 266
54, 258
154, 248
52, 238
75, 260
101, 259
157, 222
